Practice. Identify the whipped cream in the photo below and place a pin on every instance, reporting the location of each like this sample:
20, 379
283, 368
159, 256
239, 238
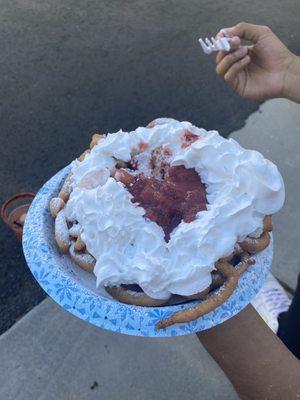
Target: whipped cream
242, 187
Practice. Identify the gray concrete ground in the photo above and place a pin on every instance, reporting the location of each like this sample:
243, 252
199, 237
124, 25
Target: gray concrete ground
275, 131
50, 354
68, 68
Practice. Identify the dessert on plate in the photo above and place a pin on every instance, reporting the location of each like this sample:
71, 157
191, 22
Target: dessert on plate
166, 214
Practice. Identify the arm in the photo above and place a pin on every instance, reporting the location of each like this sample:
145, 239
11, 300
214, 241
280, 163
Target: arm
264, 69
253, 358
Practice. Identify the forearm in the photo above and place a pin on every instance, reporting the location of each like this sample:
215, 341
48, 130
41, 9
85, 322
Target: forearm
253, 358
291, 88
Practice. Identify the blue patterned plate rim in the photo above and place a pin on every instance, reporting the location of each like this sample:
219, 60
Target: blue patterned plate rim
75, 290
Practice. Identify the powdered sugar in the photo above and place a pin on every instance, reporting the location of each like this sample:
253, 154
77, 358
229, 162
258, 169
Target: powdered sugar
75, 230
56, 204
82, 258
61, 227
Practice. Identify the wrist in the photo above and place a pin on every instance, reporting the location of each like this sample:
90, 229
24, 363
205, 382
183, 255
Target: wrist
291, 82
256, 362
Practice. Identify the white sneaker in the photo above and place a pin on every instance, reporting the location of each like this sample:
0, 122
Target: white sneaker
270, 301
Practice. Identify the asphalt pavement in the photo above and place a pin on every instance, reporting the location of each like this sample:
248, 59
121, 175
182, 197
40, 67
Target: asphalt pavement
70, 68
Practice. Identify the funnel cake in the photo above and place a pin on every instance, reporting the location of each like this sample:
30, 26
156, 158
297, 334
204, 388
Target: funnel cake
167, 214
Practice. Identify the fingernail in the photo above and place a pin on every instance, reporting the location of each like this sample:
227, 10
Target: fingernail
220, 33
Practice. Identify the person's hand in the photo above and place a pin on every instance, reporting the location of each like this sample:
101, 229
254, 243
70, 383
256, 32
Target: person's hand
258, 71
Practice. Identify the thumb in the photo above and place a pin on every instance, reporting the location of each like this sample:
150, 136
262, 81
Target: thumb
246, 31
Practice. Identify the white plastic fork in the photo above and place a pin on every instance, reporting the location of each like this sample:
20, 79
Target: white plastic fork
209, 46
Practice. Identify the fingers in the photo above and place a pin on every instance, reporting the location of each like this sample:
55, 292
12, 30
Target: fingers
236, 68
234, 44
230, 59
245, 31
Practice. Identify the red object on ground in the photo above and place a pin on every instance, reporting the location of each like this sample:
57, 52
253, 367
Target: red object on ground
179, 196
14, 211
